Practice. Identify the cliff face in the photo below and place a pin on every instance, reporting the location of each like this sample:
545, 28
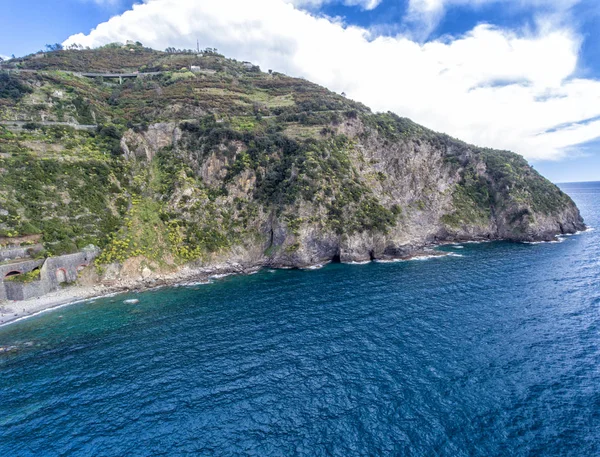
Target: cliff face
421, 189
237, 165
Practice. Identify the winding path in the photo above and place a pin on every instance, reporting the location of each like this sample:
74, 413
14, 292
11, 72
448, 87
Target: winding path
20, 124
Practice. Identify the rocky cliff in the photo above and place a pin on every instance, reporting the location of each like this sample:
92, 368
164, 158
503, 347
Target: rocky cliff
227, 163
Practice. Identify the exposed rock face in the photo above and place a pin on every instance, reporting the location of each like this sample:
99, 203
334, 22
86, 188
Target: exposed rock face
446, 191
145, 144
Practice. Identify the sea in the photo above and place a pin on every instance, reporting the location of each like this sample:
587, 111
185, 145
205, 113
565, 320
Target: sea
493, 350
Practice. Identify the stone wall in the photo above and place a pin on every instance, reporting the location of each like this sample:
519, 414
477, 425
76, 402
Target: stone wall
66, 268
53, 272
12, 254
24, 266
19, 252
23, 291
14, 290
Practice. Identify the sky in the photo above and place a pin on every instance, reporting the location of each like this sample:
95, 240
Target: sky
522, 75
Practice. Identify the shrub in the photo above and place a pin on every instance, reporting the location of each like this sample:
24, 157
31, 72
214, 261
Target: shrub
25, 277
32, 126
12, 88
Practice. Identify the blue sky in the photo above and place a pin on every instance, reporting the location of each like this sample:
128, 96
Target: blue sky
562, 32
28, 25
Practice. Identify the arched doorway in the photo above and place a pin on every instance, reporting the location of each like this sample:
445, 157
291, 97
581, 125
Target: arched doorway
61, 275
12, 273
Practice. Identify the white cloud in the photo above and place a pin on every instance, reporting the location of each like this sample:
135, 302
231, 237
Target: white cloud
105, 2
491, 87
428, 13
4, 57
364, 4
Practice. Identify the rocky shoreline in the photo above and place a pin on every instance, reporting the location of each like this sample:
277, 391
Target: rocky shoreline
11, 312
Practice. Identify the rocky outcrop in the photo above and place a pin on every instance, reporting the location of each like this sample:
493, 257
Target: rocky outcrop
145, 144
444, 190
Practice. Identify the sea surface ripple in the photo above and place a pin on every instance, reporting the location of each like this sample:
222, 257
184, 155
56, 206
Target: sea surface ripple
492, 353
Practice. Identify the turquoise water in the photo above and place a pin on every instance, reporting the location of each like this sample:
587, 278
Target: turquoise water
492, 352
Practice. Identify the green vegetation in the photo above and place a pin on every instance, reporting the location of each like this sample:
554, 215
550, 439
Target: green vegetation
70, 202
251, 148
25, 278
395, 128
288, 171
143, 234
509, 170
12, 88
472, 201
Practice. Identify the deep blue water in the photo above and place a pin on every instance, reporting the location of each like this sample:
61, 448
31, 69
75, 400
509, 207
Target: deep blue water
495, 353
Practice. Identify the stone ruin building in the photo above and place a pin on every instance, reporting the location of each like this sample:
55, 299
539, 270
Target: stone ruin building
18, 257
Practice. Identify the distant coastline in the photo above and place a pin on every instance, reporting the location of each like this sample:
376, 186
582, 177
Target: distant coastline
578, 183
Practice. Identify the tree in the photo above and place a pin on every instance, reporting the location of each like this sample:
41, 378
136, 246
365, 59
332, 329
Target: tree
54, 47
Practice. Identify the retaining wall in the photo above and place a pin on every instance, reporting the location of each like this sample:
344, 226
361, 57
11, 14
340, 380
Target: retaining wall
66, 267
19, 252
53, 272
23, 291
24, 266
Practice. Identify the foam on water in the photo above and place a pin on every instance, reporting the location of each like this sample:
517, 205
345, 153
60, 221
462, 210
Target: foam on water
558, 239
221, 275
314, 267
203, 282
429, 257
